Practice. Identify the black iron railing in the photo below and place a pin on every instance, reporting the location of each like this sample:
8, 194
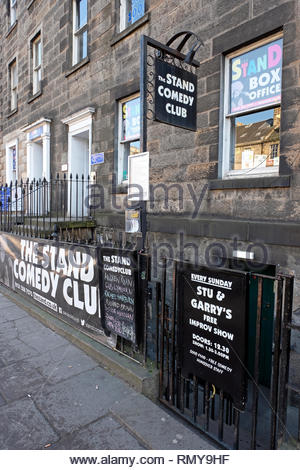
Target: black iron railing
270, 420
36, 208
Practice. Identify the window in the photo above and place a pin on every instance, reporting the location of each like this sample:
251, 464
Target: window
251, 129
79, 30
12, 11
36, 64
13, 80
130, 12
129, 133
12, 161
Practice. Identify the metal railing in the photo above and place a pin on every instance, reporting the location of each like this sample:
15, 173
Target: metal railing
36, 208
263, 424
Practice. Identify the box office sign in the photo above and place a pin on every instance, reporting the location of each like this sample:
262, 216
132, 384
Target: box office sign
256, 77
60, 276
175, 96
119, 293
212, 328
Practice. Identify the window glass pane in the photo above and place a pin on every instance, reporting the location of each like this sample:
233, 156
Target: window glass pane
130, 148
131, 119
81, 13
13, 76
82, 51
256, 140
255, 77
14, 156
136, 10
39, 52
37, 56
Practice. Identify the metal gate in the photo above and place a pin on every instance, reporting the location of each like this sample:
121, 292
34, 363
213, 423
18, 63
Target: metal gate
263, 423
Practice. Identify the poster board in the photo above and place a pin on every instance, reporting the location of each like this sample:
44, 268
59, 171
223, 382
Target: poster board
138, 177
212, 328
118, 274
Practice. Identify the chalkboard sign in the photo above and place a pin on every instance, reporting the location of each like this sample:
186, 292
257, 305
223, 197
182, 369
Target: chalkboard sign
212, 328
118, 292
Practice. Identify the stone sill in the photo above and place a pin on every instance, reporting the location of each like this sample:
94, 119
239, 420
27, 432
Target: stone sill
11, 28
33, 97
14, 111
78, 66
126, 32
280, 181
30, 3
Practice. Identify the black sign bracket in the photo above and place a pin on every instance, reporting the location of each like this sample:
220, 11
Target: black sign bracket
147, 78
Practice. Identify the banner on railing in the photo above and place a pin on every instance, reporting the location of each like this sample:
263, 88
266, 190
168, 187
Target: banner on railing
62, 277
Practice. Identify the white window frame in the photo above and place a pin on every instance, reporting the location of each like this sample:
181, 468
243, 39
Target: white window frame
13, 80
227, 119
13, 11
36, 65
77, 33
121, 142
9, 162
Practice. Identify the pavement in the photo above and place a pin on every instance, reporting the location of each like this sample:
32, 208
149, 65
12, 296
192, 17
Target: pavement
55, 396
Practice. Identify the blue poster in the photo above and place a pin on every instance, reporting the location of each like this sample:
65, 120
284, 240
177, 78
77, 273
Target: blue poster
256, 77
137, 11
97, 158
5, 198
131, 119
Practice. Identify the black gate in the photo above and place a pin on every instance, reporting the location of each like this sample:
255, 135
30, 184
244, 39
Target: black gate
263, 422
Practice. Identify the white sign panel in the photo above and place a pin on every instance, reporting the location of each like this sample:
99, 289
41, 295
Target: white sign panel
138, 177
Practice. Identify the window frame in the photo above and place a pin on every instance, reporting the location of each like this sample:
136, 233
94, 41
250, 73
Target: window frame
227, 117
121, 141
9, 163
36, 68
12, 12
78, 32
13, 85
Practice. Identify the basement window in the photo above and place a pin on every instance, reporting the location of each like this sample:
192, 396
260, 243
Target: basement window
252, 112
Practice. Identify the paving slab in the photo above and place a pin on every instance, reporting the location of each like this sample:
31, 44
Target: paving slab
22, 426
155, 426
104, 434
80, 400
15, 350
2, 401
61, 363
18, 380
44, 340
11, 312
27, 325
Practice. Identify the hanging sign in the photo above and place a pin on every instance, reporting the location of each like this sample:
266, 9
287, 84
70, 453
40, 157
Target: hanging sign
256, 77
175, 96
119, 291
212, 328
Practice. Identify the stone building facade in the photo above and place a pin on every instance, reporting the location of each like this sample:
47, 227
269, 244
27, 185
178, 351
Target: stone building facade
70, 73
